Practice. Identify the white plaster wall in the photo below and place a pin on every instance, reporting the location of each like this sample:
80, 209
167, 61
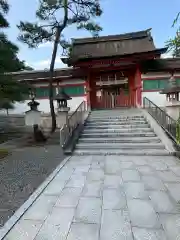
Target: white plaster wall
155, 97
21, 108
75, 102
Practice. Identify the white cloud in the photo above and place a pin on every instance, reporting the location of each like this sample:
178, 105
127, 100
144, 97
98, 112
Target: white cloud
46, 63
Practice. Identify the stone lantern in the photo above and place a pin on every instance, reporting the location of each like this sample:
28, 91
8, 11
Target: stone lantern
172, 91
33, 105
33, 116
62, 108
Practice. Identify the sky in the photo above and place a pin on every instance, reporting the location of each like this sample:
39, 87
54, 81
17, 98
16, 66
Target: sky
119, 16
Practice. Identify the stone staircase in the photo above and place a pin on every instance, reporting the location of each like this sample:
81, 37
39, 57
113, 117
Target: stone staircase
119, 132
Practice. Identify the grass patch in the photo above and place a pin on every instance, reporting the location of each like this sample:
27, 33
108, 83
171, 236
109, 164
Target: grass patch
3, 153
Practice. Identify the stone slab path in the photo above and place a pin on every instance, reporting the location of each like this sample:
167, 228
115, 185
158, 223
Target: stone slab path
107, 198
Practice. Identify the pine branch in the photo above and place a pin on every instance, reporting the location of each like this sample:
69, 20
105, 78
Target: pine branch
56, 16
4, 6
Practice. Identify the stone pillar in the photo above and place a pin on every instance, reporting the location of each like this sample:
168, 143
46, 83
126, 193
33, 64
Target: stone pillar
62, 116
62, 108
33, 116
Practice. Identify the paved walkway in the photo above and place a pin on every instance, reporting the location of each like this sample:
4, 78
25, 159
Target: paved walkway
107, 198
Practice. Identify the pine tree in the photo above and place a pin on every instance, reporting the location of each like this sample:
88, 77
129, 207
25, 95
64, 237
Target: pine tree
10, 90
173, 44
6, 104
53, 17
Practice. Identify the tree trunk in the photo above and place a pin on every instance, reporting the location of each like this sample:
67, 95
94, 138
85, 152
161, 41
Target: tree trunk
59, 30
51, 73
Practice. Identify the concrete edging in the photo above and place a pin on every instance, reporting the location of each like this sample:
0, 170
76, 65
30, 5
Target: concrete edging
159, 132
20, 212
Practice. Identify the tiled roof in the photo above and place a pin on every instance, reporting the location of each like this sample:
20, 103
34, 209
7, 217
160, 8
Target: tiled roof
166, 64
44, 74
114, 45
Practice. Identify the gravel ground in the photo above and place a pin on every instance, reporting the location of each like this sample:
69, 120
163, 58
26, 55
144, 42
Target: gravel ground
21, 173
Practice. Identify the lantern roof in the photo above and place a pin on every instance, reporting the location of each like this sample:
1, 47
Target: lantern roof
33, 103
172, 90
172, 86
62, 95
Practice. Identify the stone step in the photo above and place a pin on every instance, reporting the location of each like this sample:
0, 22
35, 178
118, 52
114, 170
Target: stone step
114, 118
120, 140
94, 123
109, 146
120, 116
112, 126
117, 112
127, 152
125, 130
120, 109
115, 134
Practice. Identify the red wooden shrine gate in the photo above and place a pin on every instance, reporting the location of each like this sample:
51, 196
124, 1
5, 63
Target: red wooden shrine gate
112, 90
114, 98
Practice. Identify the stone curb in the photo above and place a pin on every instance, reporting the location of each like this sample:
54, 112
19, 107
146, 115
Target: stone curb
97, 153
20, 212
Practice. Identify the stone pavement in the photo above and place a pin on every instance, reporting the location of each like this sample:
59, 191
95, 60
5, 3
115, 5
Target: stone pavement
107, 198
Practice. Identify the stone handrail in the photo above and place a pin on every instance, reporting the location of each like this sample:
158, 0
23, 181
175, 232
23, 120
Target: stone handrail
77, 118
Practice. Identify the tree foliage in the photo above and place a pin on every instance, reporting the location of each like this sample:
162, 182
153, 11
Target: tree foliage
4, 8
10, 90
52, 17
6, 104
173, 44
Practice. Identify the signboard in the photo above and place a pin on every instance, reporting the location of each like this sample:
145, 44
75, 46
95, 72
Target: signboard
115, 82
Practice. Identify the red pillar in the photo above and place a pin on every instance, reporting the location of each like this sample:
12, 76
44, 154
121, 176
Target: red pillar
138, 86
131, 89
87, 87
92, 93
